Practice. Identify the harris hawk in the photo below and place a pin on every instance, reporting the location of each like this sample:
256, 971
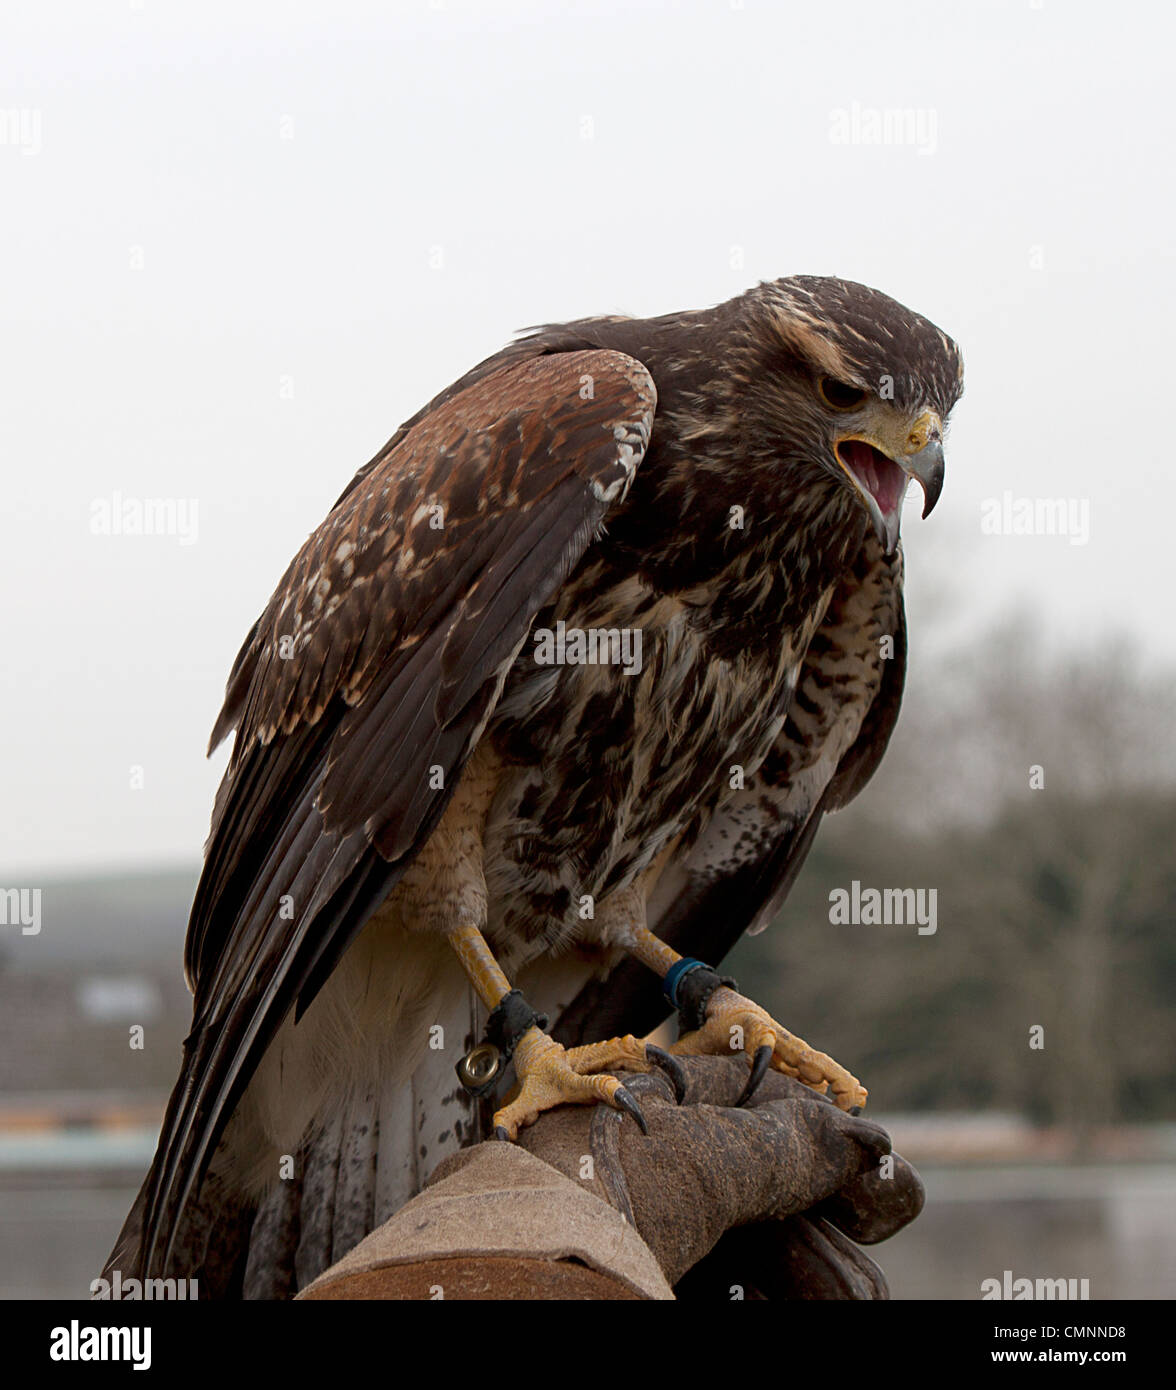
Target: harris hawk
424, 811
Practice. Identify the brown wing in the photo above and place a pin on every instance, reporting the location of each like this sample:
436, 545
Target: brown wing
379, 657
738, 872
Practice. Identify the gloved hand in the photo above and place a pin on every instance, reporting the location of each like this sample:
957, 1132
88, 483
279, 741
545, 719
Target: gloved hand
766, 1201
770, 1200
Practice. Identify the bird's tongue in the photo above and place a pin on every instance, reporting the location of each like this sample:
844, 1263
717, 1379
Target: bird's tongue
881, 477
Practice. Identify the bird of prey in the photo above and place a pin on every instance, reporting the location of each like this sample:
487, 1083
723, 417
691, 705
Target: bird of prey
543, 716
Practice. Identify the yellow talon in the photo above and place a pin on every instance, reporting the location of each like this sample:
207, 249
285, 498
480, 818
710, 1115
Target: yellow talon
550, 1075
735, 1024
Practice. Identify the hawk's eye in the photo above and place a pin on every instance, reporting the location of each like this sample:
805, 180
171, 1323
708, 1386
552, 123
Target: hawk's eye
840, 395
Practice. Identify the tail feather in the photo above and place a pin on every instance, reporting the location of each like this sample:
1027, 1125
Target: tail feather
273, 1243
316, 1210
369, 1146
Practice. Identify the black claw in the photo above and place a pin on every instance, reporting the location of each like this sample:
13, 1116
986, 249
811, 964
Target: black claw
501, 1132
669, 1064
623, 1100
759, 1068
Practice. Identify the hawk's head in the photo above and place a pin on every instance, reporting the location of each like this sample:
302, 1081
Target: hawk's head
853, 382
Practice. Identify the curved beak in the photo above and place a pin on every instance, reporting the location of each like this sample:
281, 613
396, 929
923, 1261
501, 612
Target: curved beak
926, 467
882, 454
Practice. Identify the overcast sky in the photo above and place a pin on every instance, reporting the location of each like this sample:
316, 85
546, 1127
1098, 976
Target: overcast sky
241, 243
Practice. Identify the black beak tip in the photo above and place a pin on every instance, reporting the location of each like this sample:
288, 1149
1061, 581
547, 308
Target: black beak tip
932, 484
926, 468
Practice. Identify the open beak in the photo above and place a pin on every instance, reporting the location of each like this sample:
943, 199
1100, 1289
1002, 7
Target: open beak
881, 462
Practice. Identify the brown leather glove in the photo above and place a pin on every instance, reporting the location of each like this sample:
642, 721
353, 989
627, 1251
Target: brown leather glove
765, 1201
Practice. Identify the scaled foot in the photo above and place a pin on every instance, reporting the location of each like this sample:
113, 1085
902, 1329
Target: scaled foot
551, 1075
733, 1023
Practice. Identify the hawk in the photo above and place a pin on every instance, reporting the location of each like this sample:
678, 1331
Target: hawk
543, 716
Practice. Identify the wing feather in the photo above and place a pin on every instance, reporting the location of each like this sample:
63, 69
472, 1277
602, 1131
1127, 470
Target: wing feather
381, 654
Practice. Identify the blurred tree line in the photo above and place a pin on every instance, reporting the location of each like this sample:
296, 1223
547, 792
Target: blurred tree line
1056, 904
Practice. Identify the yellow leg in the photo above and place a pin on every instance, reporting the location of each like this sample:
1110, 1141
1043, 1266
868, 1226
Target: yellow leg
477, 960
549, 1075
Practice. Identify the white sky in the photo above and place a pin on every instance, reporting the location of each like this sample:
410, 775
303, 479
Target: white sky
1032, 220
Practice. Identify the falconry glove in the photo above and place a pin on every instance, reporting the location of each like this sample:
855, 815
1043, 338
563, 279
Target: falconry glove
766, 1200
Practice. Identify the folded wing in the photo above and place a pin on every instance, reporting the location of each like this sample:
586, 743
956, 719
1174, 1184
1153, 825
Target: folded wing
379, 660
